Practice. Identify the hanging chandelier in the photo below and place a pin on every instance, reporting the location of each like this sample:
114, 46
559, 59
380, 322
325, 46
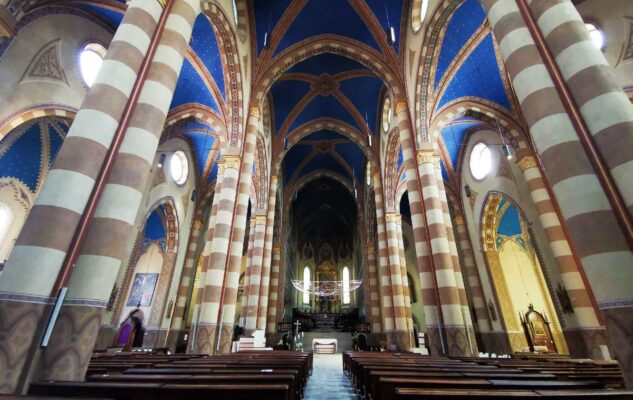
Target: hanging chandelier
325, 288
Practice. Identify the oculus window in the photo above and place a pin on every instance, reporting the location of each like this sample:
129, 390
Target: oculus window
480, 161
178, 167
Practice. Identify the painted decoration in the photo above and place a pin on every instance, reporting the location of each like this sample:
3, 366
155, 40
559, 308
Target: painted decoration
142, 290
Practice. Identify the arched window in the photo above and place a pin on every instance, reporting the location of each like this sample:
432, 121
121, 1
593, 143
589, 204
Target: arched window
345, 285
6, 220
306, 285
90, 61
597, 36
387, 114
235, 13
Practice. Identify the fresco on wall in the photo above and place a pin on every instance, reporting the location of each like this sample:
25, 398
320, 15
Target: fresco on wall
142, 290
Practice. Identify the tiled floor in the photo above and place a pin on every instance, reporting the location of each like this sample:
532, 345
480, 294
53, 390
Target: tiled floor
328, 382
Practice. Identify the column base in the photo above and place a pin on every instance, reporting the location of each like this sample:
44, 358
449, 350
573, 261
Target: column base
68, 353
106, 337
619, 323
19, 322
226, 339
457, 341
587, 343
204, 340
495, 342
173, 337
434, 341
399, 340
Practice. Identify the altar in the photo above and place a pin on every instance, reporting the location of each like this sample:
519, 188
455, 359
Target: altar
324, 345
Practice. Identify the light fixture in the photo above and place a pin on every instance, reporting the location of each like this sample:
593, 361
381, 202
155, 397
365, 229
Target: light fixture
467, 190
391, 37
325, 288
506, 151
506, 148
266, 44
161, 160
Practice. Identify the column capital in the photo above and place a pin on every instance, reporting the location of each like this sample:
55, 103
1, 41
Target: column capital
221, 165
197, 225
401, 106
428, 156
371, 249
527, 162
459, 220
232, 161
254, 112
393, 217
276, 250
260, 219
273, 180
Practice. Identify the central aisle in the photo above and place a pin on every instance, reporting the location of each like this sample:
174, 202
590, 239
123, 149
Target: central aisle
328, 380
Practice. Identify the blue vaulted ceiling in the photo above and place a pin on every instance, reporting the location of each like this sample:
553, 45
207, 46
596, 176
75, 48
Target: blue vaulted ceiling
478, 74
468, 17
453, 136
466, 67
24, 150
324, 150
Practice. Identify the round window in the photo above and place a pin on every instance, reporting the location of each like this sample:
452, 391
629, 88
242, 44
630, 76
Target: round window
480, 161
597, 36
178, 167
90, 61
387, 113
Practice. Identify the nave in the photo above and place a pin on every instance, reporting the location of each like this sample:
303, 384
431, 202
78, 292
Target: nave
184, 181
283, 375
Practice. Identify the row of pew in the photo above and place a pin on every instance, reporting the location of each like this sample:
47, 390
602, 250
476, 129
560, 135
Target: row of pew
272, 375
390, 376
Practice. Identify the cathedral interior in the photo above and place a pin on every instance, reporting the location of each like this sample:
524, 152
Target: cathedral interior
450, 177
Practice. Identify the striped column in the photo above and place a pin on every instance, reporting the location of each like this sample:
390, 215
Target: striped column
405, 279
255, 279
605, 108
457, 269
386, 304
236, 234
198, 289
265, 291
585, 338
36, 259
104, 249
247, 272
374, 294
472, 276
596, 235
432, 313
216, 262
273, 299
401, 335
187, 277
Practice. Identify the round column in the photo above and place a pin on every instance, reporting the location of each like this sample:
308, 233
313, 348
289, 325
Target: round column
596, 234
267, 276
36, 260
